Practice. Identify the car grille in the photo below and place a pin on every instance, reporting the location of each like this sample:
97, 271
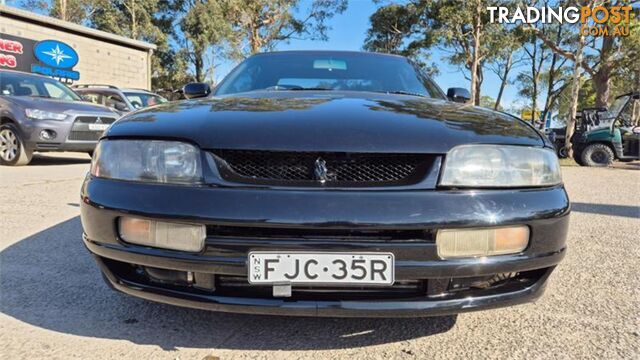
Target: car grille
321, 169
94, 119
81, 132
85, 135
329, 234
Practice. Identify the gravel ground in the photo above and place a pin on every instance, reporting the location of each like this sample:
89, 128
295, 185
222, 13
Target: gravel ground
53, 303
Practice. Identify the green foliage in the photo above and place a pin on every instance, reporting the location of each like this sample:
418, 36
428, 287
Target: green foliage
391, 26
628, 76
76, 11
414, 27
395, 30
265, 23
488, 102
145, 20
207, 29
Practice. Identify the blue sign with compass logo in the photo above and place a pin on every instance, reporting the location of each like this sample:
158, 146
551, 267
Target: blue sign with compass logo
56, 59
56, 54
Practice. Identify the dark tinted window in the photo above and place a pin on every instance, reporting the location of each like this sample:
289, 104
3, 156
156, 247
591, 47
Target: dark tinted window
330, 71
139, 100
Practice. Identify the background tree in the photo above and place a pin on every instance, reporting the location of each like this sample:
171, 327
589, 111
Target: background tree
131, 18
576, 79
206, 30
464, 31
628, 74
461, 29
169, 64
76, 11
394, 29
390, 28
268, 22
536, 56
556, 76
602, 57
505, 60
489, 102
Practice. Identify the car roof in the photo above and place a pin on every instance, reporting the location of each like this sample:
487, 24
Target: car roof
103, 88
26, 74
136, 90
328, 52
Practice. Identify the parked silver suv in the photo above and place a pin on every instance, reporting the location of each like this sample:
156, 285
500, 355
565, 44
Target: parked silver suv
119, 99
38, 113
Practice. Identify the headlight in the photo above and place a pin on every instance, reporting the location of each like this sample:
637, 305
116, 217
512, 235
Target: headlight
147, 161
38, 114
500, 166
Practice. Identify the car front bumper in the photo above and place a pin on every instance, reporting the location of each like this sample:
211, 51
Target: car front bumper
545, 211
63, 141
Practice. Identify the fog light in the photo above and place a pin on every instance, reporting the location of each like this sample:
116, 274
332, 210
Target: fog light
47, 134
456, 243
166, 235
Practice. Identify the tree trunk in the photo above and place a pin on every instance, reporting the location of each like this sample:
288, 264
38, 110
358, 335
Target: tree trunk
575, 93
63, 10
534, 103
551, 97
479, 79
534, 83
477, 31
134, 24
602, 85
198, 64
548, 104
504, 78
602, 77
254, 40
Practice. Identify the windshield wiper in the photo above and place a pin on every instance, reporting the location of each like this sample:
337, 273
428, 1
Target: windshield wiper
294, 88
309, 88
402, 92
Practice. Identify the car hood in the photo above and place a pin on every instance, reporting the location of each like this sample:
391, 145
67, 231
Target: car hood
322, 121
59, 105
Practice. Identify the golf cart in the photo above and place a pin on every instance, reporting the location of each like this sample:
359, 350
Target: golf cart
603, 136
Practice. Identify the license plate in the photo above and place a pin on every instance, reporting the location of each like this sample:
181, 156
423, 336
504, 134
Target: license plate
321, 268
98, 127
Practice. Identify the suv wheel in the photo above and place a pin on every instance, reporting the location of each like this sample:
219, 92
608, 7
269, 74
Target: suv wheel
12, 151
599, 155
562, 152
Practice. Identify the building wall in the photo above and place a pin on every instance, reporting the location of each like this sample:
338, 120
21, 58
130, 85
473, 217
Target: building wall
100, 62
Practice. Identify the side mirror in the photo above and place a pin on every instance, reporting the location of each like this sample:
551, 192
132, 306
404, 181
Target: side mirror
196, 90
120, 106
460, 95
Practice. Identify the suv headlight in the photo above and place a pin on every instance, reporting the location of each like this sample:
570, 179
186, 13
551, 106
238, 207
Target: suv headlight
38, 114
147, 161
500, 166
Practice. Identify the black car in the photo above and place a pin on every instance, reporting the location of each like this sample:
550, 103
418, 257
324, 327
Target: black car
329, 184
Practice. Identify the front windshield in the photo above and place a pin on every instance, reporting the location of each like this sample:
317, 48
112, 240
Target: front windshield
328, 71
616, 108
140, 100
16, 84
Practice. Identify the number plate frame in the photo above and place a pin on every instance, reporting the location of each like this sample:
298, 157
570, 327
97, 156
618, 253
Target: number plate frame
98, 127
388, 258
